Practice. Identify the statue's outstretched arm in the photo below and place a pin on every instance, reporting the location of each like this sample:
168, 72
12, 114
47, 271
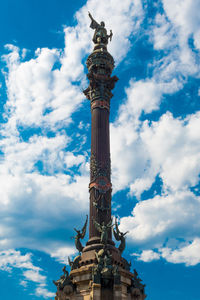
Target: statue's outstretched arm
89, 14
94, 24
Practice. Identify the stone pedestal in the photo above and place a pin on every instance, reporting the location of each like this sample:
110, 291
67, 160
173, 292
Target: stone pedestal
84, 288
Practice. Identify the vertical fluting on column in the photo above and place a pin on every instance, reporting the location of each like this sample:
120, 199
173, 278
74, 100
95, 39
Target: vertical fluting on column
100, 65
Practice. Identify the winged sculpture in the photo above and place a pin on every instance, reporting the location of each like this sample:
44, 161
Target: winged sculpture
64, 279
74, 264
103, 229
80, 235
120, 236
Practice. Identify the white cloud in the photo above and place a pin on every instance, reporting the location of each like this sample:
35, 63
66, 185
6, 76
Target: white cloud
123, 137
11, 259
35, 276
173, 145
43, 93
163, 216
172, 30
140, 185
23, 283
20, 157
171, 33
184, 15
149, 255
42, 96
48, 198
189, 254
72, 160
143, 96
43, 292
168, 148
37, 94
162, 33
61, 254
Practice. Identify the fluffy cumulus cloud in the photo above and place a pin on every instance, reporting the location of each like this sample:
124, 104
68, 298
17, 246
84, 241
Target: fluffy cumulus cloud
41, 291
63, 253
176, 31
42, 181
174, 215
167, 149
11, 260
188, 253
185, 17
148, 255
40, 174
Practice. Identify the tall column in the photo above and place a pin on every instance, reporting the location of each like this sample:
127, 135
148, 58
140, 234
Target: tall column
100, 65
99, 271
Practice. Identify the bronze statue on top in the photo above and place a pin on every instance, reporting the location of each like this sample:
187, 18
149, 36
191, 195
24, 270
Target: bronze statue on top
100, 34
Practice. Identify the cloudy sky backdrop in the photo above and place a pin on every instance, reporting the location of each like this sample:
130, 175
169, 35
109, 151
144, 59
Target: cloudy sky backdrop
45, 140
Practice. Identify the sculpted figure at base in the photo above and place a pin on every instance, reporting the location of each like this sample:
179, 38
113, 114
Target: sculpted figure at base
64, 285
137, 281
100, 34
105, 270
127, 265
80, 235
120, 236
98, 268
74, 264
64, 279
103, 229
137, 288
136, 294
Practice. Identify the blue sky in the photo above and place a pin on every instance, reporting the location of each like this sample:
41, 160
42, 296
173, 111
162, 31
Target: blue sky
45, 140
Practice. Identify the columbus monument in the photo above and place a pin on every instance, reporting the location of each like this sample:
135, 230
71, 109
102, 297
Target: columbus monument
100, 272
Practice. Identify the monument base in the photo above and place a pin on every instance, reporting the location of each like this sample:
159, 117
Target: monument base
82, 286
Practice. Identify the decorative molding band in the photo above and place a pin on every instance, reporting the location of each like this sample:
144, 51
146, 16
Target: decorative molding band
100, 104
102, 184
